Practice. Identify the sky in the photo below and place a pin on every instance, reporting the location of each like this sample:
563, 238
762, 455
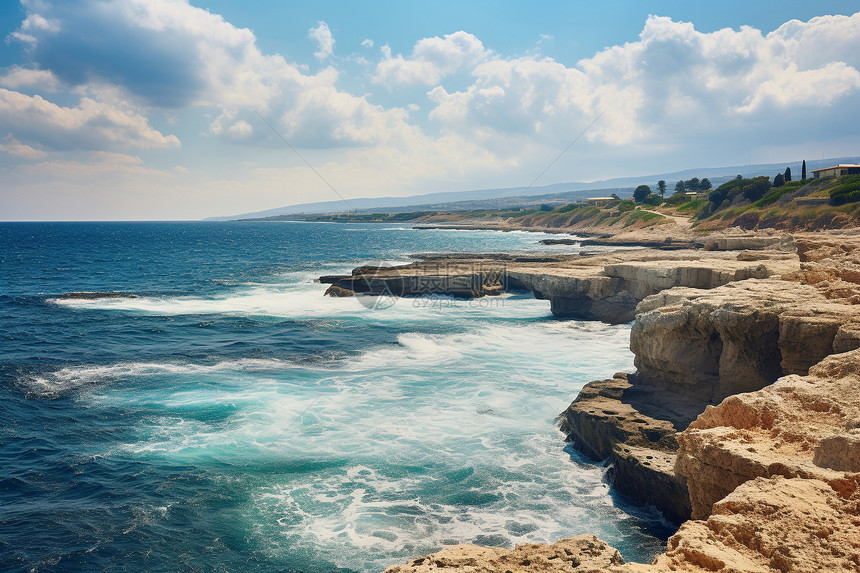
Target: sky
178, 109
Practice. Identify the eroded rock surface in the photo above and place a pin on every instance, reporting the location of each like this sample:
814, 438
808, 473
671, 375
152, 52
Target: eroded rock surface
736, 338
610, 420
582, 554
771, 524
801, 426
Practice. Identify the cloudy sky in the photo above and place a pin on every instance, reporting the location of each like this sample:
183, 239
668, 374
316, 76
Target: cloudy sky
170, 109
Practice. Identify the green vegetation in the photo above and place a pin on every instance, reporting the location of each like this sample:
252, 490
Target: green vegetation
778, 192
641, 193
847, 192
779, 180
643, 216
747, 203
691, 205
625, 206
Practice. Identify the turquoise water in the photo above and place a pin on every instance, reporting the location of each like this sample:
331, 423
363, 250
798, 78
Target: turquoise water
232, 418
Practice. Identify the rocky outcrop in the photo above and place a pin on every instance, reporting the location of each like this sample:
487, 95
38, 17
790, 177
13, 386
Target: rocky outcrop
771, 473
801, 426
749, 242
771, 524
610, 420
606, 287
694, 347
582, 554
737, 338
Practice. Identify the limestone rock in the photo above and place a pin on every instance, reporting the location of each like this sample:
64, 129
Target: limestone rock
772, 524
585, 554
711, 344
801, 426
338, 291
604, 287
612, 420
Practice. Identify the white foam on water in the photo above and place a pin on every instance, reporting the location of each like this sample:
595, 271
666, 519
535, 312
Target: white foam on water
72, 377
439, 438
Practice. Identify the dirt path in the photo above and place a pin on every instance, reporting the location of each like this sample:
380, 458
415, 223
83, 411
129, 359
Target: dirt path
682, 221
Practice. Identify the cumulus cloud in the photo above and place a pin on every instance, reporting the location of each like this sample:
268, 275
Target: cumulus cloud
172, 55
18, 77
673, 81
490, 118
90, 125
322, 36
431, 60
18, 149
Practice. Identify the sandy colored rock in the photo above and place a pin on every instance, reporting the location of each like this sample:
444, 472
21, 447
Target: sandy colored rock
582, 554
736, 338
771, 524
800, 426
773, 470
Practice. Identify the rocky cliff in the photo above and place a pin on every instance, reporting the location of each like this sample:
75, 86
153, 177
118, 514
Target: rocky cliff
744, 413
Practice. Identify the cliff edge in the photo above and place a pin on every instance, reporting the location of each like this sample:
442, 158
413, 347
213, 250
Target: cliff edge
743, 415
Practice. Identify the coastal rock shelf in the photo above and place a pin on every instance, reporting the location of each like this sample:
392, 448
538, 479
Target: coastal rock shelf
743, 415
604, 287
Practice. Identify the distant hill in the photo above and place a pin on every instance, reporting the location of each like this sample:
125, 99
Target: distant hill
555, 194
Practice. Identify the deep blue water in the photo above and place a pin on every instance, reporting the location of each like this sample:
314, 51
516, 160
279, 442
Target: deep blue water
231, 417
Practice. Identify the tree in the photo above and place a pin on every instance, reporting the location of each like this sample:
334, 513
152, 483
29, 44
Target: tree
705, 184
757, 187
803, 170
779, 180
641, 193
739, 177
661, 187
545, 207
693, 184
787, 175
680, 187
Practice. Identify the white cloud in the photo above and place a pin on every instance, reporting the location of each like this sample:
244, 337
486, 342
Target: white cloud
432, 59
17, 77
18, 149
367, 43
493, 120
674, 82
204, 61
322, 35
90, 125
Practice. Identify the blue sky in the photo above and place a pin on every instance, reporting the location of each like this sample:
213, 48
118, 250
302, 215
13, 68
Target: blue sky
158, 109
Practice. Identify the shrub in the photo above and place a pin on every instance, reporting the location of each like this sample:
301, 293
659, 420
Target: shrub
756, 188
625, 206
847, 192
676, 199
691, 205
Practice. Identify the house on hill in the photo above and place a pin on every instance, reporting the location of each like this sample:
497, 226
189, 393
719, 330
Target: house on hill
837, 170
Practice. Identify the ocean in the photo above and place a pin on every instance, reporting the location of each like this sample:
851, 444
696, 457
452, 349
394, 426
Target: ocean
230, 417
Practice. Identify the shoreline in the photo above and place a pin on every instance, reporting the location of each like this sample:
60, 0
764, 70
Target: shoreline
782, 325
